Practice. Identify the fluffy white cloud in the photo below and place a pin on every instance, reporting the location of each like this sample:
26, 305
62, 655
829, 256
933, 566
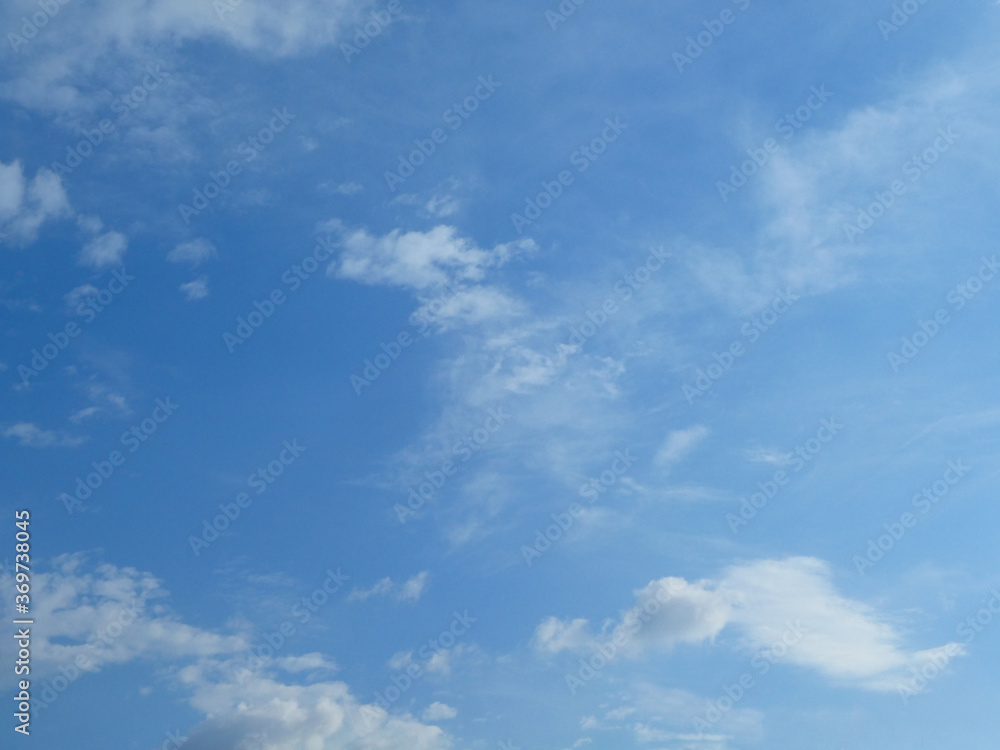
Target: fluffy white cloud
194, 290
109, 615
419, 260
349, 188
104, 250
31, 436
438, 711
194, 252
768, 603
845, 639
267, 714
26, 205
409, 590
553, 635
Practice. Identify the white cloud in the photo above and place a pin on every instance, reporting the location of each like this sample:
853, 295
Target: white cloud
438, 711
553, 635
110, 615
32, 436
419, 260
442, 205
91, 224
400, 659
409, 590
679, 444
821, 180
350, 188
104, 250
114, 615
84, 414
666, 715
306, 662
763, 602
194, 290
194, 252
266, 714
771, 456
79, 296
25, 206
65, 56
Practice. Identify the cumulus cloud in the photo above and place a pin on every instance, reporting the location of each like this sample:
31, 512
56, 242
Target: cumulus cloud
409, 590
195, 290
31, 436
446, 272
26, 205
194, 253
761, 602
554, 635
104, 250
109, 615
419, 260
77, 298
438, 711
267, 714
100, 616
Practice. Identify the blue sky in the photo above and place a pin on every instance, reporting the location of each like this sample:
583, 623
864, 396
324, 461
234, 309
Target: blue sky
523, 376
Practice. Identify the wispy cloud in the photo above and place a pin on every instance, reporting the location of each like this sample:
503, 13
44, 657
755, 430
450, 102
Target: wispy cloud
409, 590
31, 436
